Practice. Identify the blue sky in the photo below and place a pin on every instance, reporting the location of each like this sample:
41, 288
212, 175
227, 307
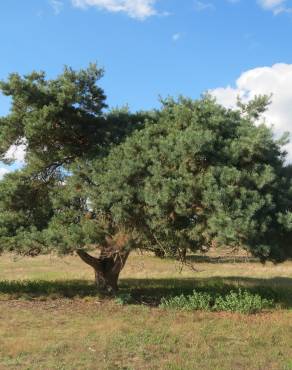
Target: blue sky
215, 44
148, 48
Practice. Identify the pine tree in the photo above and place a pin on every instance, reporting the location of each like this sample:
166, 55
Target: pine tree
191, 175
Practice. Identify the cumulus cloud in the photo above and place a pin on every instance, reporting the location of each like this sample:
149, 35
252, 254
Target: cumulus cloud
139, 9
275, 80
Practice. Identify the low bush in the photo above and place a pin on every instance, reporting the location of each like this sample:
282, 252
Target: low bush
242, 301
235, 301
196, 301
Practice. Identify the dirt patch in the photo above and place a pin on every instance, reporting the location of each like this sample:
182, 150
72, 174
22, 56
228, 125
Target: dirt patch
76, 305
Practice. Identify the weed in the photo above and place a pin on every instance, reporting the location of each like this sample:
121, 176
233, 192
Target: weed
242, 301
235, 301
123, 299
196, 301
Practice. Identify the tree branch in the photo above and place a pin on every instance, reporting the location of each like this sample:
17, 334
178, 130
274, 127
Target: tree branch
87, 258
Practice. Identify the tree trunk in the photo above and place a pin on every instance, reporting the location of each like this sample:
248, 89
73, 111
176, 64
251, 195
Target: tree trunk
107, 268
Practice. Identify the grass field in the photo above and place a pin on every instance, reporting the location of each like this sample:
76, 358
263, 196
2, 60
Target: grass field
51, 317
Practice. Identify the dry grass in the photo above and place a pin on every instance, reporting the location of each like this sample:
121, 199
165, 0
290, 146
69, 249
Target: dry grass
42, 329
139, 266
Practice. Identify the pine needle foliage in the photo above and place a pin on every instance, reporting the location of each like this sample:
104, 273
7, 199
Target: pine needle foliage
199, 176
190, 176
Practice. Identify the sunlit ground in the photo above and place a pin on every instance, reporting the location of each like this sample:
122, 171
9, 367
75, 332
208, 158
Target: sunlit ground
52, 318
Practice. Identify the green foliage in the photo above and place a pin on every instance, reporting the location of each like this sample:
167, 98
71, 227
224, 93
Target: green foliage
190, 176
196, 301
201, 175
59, 120
123, 299
26, 208
235, 301
242, 301
63, 125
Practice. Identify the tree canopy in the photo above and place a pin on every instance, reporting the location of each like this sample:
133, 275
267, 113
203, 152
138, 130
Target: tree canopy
187, 177
60, 120
200, 176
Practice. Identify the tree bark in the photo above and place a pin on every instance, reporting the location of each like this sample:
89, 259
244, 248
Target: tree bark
107, 268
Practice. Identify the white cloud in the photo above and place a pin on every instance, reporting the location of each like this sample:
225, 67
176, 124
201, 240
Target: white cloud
139, 9
276, 6
16, 153
57, 6
201, 6
269, 4
3, 172
276, 80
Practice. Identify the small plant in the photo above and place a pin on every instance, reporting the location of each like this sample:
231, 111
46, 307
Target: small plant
200, 301
242, 301
176, 303
196, 301
123, 299
235, 301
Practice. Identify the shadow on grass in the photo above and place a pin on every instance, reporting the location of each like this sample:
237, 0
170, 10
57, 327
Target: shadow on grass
47, 289
151, 291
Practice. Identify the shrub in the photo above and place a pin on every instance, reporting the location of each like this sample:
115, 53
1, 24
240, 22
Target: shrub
196, 301
235, 301
242, 301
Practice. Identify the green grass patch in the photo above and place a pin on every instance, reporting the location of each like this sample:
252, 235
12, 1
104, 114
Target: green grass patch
240, 301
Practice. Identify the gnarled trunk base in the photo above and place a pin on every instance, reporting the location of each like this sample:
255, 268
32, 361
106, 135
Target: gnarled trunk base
107, 268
